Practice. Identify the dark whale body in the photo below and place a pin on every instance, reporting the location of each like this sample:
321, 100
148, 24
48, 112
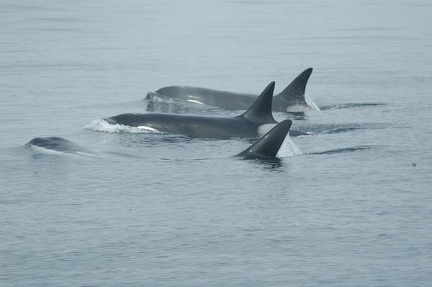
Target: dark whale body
291, 99
57, 144
255, 122
268, 146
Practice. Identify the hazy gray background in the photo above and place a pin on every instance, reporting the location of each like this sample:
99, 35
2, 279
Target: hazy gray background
157, 210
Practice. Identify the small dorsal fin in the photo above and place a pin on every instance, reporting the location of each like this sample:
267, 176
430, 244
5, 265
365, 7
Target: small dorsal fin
261, 110
294, 93
269, 145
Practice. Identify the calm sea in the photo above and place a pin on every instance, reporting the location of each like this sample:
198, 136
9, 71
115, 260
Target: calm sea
350, 205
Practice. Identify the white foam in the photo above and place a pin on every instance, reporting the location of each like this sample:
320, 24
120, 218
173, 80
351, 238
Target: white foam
288, 148
311, 103
160, 98
101, 125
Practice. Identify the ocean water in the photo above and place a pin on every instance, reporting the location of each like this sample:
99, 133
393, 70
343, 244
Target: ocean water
349, 205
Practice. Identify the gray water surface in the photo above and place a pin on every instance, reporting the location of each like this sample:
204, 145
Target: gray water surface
353, 208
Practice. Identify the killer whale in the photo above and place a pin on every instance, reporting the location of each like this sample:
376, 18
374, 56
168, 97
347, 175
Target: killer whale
253, 123
291, 99
268, 146
56, 145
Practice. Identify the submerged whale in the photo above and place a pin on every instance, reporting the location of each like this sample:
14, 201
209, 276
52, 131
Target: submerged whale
56, 145
255, 122
291, 99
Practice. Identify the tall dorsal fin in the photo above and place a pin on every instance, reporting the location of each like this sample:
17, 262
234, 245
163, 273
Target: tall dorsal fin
261, 110
294, 94
269, 145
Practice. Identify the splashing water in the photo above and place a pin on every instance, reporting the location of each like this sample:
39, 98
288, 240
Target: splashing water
311, 103
288, 148
157, 98
101, 125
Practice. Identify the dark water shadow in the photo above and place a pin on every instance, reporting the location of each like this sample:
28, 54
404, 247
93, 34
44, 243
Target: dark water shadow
315, 129
341, 150
298, 116
351, 105
267, 163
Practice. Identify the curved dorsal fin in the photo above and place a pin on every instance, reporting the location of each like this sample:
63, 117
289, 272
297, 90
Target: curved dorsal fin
269, 145
261, 110
294, 93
